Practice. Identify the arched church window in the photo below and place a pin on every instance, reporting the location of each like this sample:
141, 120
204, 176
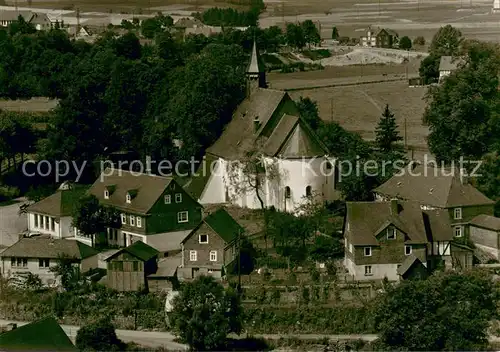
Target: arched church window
287, 192
308, 191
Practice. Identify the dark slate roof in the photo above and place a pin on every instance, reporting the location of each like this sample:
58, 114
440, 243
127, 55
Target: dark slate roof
449, 63
408, 263
239, 136
42, 335
435, 187
8, 15
40, 247
139, 250
437, 225
197, 183
487, 222
367, 219
148, 187
222, 224
60, 204
167, 267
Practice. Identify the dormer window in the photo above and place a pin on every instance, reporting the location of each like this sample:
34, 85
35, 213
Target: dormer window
256, 124
106, 194
391, 233
131, 195
108, 190
129, 198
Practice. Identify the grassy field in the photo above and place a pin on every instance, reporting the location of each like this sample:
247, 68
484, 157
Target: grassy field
358, 108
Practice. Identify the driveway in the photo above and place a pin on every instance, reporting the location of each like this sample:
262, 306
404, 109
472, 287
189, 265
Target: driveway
11, 223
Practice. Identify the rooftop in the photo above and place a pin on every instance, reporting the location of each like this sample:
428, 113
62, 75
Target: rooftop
40, 247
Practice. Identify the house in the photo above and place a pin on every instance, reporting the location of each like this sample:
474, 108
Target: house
394, 239
485, 234
79, 32
438, 188
267, 155
211, 246
39, 20
379, 37
54, 215
37, 255
128, 268
41, 335
153, 209
165, 278
496, 6
207, 31
386, 38
447, 65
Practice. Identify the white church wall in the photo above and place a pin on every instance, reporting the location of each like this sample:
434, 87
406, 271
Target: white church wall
214, 192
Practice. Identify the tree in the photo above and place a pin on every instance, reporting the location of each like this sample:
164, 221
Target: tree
487, 181
99, 336
447, 41
67, 271
150, 27
335, 33
462, 113
326, 248
387, 131
405, 43
311, 32
429, 69
308, 110
91, 218
204, 313
295, 36
449, 311
419, 40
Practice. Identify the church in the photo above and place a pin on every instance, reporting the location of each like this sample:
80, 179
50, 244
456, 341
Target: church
267, 155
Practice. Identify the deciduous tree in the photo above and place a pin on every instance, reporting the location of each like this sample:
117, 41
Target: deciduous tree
204, 313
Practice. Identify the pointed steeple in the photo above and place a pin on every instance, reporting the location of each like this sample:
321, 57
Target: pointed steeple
256, 73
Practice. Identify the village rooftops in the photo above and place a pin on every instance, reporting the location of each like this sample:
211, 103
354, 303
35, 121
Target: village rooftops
12, 15
367, 220
41, 247
143, 190
436, 187
138, 249
60, 204
486, 222
42, 335
267, 122
450, 63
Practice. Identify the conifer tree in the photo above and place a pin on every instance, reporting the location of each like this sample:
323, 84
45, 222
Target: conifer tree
387, 131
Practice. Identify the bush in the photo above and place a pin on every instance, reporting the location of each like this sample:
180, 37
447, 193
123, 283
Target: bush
405, 43
314, 274
419, 40
99, 336
8, 193
276, 296
344, 40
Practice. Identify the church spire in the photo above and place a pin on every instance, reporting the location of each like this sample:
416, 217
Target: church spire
256, 74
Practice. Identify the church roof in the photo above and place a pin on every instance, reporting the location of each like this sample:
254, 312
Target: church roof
255, 66
281, 132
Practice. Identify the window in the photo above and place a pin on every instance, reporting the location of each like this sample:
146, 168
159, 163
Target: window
182, 216
124, 219
135, 266
368, 270
193, 256
350, 247
178, 197
213, 256
368, 251
168, 199
52, 224
408, 250
132, 220
19, 262
129, 198
36, 220
287, 192
119, 266
139, 221
106, 194
458, 231
43, 263
457, 213
308, 191
46, 223
203, 238
391, 233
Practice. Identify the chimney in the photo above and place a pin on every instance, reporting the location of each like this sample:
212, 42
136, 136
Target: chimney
394, 206
464, 176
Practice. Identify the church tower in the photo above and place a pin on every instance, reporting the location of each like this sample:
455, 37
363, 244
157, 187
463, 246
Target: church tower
256, 73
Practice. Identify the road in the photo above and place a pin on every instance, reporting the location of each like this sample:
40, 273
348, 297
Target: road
165, 339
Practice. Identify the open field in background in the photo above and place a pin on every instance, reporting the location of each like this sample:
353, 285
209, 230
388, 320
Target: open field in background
358, 108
